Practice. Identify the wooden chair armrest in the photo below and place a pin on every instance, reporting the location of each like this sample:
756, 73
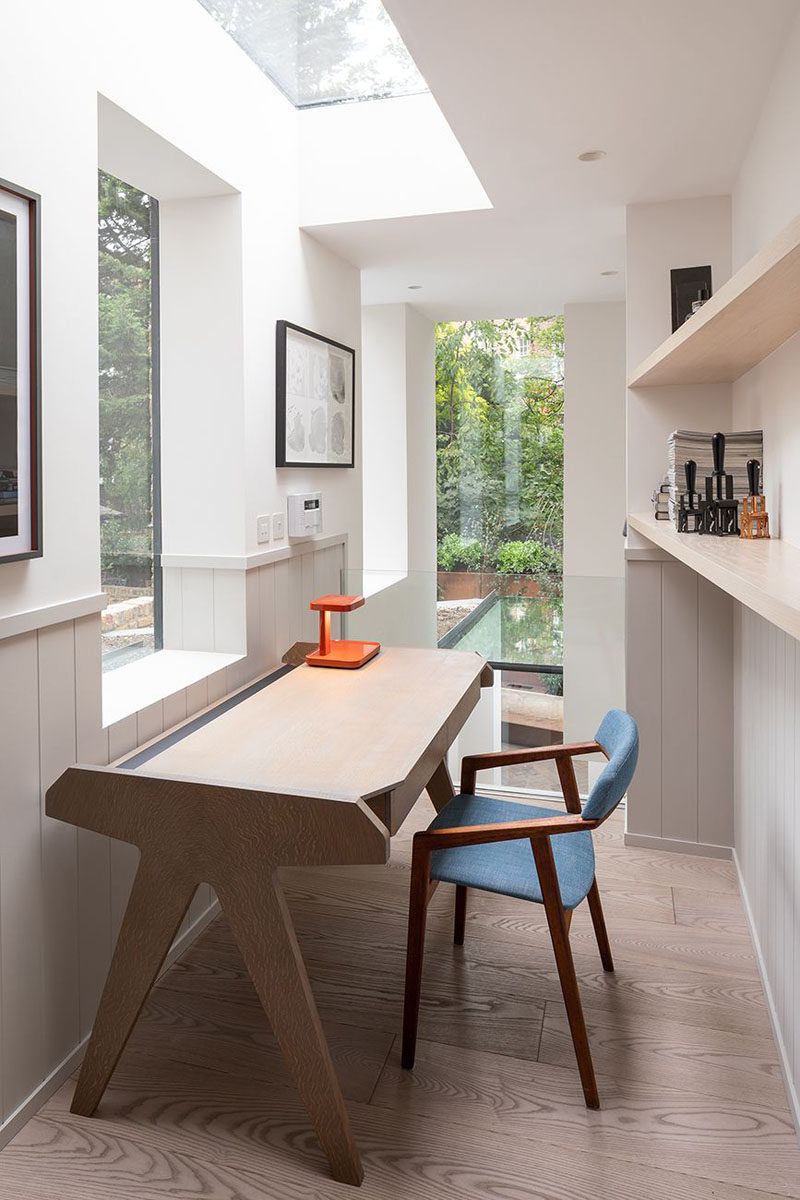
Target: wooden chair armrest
506, 831
472, 763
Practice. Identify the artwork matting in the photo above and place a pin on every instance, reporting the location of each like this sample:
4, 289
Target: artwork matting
314, 399
20, 382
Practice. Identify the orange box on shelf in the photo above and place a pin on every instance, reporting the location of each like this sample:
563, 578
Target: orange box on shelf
333, 653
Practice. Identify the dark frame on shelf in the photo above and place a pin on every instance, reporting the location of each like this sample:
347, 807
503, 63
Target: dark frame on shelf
281, 391
32, 400
685, 284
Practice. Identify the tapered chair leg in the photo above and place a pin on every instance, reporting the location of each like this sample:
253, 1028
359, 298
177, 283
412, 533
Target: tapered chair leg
461, 915
551, 895
599, 922
417, 914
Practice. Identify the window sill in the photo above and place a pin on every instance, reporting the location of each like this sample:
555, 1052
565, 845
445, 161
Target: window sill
148, 680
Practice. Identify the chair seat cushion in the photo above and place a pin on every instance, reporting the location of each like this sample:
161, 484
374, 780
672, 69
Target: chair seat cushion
509, 867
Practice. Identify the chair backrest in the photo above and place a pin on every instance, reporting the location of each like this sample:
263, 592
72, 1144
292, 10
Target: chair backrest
619, 737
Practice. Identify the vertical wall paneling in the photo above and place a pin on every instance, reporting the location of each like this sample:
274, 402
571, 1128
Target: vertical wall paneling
715, 715
255, 631
149, 722
643, 691
767, 834
308, 592
172, 617
122, 737
59, 934
283, 617
298, 625
94, 857
196, 696
63, 891
217, 685
679, 732
229, 611
680, 689
273, 647
21, 993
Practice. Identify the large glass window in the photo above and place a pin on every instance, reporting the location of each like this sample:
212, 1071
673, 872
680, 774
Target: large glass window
500, 511
129, 449
322, 53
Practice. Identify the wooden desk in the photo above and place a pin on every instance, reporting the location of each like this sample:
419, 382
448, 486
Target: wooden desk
303, 767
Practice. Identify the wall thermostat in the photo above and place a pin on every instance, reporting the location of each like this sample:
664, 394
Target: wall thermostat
305, 514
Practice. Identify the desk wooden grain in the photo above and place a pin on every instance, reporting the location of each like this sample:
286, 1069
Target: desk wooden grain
317, 768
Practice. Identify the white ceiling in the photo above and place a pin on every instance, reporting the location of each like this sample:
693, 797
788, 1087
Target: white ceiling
671, 89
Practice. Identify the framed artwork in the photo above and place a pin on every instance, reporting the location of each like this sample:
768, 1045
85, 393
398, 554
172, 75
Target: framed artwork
314, 399
20, 401
688, 285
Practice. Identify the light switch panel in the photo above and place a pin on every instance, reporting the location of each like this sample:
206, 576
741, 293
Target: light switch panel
278, 527
262, 530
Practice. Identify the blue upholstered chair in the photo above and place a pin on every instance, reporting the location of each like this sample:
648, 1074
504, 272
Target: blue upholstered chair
524, 851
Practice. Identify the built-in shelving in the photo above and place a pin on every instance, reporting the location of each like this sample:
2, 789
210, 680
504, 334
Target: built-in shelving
754, 313
763, 575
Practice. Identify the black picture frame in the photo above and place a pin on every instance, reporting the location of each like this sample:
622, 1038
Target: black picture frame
26, 542
307, 403
685, 283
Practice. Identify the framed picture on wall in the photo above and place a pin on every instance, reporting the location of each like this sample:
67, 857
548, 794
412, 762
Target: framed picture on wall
20, 405
314, 399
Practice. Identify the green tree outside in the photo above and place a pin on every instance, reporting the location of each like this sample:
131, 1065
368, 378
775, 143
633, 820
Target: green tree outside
500, 446
125, 370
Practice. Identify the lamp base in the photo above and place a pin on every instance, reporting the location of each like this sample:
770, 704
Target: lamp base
344, 655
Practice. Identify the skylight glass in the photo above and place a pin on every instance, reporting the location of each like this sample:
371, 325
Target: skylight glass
322, 51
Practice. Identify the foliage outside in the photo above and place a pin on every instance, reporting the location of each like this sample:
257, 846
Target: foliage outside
500, 446
126, 459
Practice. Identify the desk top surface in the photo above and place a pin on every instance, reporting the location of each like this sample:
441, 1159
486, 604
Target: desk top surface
326, 732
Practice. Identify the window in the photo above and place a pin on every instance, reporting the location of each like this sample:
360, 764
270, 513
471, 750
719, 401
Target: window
322, 53
500, 502
130, 533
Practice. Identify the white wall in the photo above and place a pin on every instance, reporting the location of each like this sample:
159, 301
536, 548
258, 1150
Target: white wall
383, 332
399, 476
767, 662
221, 131
594, 515
679, 631
681, 233
383, 158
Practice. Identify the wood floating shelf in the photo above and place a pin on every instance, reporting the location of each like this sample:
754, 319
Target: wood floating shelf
754, 313
763, 575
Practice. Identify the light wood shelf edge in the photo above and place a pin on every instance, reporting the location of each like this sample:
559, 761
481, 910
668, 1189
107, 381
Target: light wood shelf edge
746, 319
762, 575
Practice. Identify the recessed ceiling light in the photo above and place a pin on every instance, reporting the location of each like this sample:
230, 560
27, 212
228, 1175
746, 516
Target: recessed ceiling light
414, 287
609, 272
591, 155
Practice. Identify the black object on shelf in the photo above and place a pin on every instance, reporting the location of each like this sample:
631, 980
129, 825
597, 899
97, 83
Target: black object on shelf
754, 476
721, 510
691, 509
717, 512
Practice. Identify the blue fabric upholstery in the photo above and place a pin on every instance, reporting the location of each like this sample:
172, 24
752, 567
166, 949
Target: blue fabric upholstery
508, 867
619, 737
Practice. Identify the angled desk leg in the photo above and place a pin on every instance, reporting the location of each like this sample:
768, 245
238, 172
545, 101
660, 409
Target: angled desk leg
157, 905
440, 786
262, 925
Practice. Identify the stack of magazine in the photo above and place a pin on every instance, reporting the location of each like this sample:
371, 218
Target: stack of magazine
687, 443
661, 502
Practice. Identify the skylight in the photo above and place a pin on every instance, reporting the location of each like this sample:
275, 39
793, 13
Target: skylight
322, 51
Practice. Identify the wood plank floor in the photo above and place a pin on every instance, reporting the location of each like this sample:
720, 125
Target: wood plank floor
693, 1103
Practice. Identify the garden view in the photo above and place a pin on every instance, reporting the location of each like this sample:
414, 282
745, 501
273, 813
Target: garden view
500, 509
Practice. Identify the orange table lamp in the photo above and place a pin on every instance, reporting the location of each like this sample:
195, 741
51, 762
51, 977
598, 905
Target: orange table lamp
331, 653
